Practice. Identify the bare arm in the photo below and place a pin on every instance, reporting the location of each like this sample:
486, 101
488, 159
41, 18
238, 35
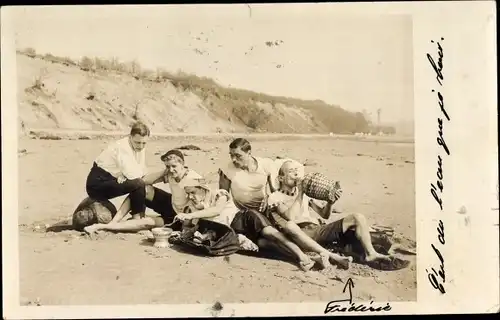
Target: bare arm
287, 211
224, 182
209, 212
272, 187
154, 177
281, 209
325, 211
270, 184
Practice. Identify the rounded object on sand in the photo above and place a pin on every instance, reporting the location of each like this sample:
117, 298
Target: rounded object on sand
318, 186
91, 211
103, 213
161, 236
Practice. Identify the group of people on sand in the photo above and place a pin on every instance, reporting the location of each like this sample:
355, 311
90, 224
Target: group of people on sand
259, 198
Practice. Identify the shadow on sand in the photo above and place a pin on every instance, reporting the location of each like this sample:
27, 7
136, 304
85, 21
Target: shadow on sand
263, 254
61, 226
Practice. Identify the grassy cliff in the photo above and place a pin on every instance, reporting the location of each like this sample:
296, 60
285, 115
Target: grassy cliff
107, 94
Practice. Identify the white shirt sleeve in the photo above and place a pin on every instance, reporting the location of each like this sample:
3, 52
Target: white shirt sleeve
228, 170
127, 164
143, 162
268, 165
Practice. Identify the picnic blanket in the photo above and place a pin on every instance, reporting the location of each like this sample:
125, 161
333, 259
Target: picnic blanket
224, 241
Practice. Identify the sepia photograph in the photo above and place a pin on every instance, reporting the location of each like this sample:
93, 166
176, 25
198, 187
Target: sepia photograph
221, 155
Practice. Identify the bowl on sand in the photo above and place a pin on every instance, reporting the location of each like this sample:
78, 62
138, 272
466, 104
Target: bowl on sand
161, 236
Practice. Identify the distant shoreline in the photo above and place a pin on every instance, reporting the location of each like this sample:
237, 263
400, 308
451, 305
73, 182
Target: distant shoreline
66, 134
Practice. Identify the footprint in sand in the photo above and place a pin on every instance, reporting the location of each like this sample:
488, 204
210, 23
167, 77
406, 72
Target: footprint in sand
157, 253
95, 235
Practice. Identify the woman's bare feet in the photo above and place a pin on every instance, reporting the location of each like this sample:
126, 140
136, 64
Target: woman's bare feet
376, 256
306, 264
148, 234
90, 230
343, 262
322, 259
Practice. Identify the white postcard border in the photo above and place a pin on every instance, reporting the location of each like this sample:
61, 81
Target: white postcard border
470, 173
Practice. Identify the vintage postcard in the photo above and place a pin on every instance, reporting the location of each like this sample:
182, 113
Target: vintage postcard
249, 160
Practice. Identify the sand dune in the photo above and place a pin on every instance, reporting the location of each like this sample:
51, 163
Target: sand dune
55, 94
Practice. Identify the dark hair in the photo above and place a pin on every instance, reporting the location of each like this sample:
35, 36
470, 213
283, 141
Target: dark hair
241, 143
173, 152
139, 128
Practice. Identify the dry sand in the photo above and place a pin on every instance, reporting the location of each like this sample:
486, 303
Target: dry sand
69, 268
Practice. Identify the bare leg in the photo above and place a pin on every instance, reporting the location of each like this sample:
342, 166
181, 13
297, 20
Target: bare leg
128, 216
272, 234
270, 245
362, 231
132, 225
125, 207
122, 211
303, 240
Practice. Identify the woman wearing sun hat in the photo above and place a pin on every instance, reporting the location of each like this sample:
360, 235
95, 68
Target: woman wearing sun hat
206, 203
214, 205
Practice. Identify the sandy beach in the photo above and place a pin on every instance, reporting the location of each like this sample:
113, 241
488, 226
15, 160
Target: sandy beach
68, 268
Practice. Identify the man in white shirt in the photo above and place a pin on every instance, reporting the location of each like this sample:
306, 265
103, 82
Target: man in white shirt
120, 169
249, 180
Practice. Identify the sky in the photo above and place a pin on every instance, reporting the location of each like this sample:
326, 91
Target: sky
360, 62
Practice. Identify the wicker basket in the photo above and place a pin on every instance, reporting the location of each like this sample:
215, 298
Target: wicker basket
318, 186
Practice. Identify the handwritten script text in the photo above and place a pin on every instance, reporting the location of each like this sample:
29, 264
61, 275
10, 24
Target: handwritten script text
438, 278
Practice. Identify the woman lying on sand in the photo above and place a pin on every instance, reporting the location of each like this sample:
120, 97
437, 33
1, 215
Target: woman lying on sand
168, 205
294, 206
248, 178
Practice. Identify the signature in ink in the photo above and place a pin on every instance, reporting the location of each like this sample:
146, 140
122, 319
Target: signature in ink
337, 306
